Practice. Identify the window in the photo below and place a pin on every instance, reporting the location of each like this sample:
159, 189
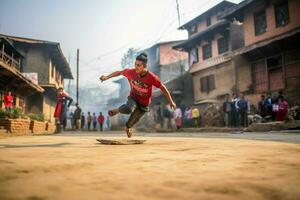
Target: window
207, 83
206, 50
208, 21
275, 73
193, 56
260, 22
193, 29
282, 14
223, 45
268, 74
274, 62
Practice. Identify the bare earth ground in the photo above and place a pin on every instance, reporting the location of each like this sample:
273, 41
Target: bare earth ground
77, 167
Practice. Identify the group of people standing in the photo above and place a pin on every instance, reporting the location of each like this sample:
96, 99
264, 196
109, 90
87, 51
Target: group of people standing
90, 122
275, 108
237, 108
236, 111
93, 121
77, 118
166, 117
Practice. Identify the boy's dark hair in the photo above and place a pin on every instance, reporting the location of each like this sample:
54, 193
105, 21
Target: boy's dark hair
142, 57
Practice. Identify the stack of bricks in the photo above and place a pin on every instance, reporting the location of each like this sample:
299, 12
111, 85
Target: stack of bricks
16, 126
50, 128
37, 127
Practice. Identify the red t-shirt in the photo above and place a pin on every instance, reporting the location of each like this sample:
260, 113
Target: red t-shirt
8, 101
141, 87
100, 119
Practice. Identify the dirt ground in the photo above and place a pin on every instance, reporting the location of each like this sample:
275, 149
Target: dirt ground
78, 167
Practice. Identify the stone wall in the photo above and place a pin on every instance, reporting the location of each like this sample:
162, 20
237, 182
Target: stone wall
24, 126
16, 126
37, 127
50, 128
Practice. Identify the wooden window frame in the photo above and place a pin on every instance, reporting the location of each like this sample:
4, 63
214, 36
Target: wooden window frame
277, 7
223, 45
207, 51
258, 16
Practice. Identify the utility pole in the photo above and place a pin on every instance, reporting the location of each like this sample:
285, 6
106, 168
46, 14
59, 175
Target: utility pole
69, 83
178, 12
77, 80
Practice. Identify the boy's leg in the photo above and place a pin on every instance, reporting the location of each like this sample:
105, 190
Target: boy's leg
133, 119
126, 108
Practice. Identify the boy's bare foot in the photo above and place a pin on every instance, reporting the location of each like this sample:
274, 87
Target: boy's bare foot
113, 112
129, 132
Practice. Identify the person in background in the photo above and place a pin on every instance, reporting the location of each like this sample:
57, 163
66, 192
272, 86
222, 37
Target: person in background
243, 109
178, 118
82, 121
195, 116
227, 111
8, 101
60, 114
262, 106
107, 123
77, 117
101, 121
72, 120
159, 115
233, 111
167, 114
269, 106
89, 121
282, 109
187, 116
94, 120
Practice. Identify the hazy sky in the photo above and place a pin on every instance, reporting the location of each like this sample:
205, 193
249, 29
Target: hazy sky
102, 30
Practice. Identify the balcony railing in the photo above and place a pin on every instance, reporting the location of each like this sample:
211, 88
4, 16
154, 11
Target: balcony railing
9, 60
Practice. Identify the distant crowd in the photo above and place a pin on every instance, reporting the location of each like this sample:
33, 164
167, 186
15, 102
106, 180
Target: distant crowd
235, 109
91, 122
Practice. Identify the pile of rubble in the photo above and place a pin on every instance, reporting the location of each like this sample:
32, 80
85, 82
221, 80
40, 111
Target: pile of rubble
294, 113
212, 116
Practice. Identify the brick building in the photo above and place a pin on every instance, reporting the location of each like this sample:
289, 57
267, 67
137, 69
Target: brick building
272, 37
210, 43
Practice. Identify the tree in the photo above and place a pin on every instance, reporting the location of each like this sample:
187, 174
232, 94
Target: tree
129, 58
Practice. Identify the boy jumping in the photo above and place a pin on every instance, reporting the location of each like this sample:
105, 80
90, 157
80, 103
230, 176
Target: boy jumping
141, 81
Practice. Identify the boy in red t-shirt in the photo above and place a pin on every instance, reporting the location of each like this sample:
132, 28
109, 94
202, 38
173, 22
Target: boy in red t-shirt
101, 121
8, 102
141, 81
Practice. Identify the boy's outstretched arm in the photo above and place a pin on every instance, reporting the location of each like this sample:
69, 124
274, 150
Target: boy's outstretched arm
114, 74
167, 94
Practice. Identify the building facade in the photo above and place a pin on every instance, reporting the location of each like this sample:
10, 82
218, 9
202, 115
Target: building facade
210, 43
271, 36
11, 77
45, 59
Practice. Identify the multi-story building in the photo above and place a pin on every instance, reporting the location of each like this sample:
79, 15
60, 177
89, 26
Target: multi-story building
209, 45
46, 59
11, 78
272, 37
